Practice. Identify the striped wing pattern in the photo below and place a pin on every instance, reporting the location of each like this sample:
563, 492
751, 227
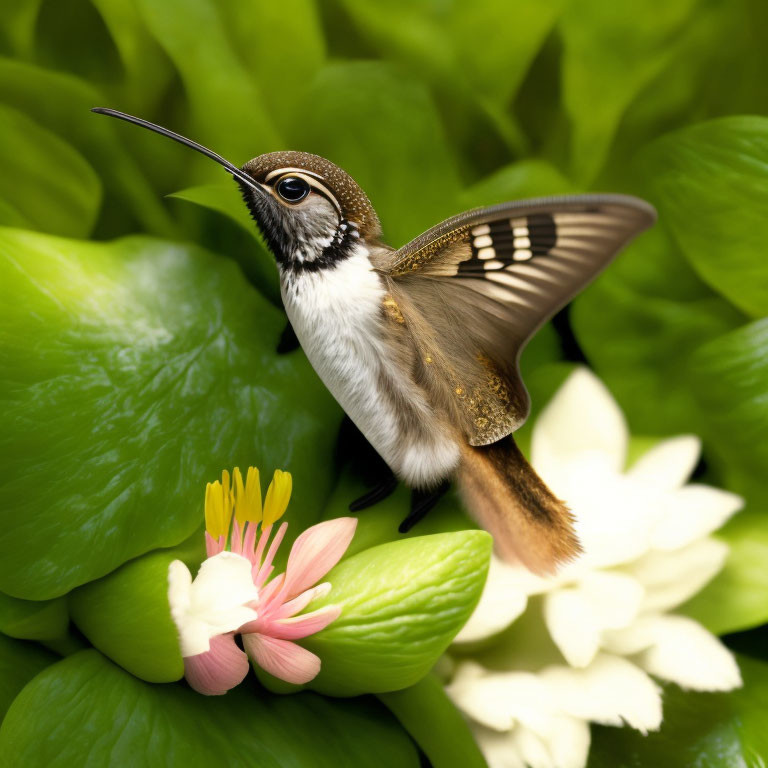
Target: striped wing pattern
488, 279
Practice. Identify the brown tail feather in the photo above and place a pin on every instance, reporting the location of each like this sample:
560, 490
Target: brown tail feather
508, 498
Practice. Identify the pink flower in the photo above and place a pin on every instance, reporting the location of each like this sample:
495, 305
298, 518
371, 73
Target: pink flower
235, 591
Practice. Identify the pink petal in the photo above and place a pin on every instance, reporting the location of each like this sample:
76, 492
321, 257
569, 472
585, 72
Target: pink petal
214, 672
292, 607
282, 658
306, 624
213, 546
315, 552
266, 567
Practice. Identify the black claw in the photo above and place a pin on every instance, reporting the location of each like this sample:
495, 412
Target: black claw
380, 492
421, 503
288, 340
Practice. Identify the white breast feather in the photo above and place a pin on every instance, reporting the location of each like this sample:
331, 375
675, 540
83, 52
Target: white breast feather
336, 314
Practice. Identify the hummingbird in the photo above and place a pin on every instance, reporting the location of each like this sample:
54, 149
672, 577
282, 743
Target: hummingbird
420, 344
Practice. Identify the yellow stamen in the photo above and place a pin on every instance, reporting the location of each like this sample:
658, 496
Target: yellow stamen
218, 507
278, 496
248, 498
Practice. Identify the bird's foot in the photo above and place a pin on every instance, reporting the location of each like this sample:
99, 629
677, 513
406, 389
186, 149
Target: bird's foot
378, 493
421, 503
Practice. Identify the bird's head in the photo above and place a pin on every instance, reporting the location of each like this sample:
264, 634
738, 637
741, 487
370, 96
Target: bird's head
309, 210
312, 213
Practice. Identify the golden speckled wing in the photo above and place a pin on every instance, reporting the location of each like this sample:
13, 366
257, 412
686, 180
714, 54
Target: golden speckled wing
475, 288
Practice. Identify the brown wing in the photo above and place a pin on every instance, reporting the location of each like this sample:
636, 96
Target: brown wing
475, 288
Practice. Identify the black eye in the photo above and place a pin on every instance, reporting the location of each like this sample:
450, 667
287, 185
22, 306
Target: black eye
292, 189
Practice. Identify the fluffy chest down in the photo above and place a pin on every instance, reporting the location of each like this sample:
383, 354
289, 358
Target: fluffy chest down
337, 316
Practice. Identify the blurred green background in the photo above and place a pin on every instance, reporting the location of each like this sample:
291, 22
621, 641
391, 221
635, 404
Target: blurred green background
135, 369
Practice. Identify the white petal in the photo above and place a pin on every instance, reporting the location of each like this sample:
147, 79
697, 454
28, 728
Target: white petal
532, 748
691, 513
614, 597
499, 749
500, 604
572, 625
633, 639
671, 578
581, 419
687, 654
569, 742
610, 691
498, 699
212, 604
668, 464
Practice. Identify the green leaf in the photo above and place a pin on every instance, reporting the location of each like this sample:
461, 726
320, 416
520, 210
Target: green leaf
610, 53
382, 128
435, 724
85, 711
147, 71
126, 615
134, 372
699, 729
280, 75
455, 45
528, 178
711, 184
61, 103
736, 598
48, 184
258, 264
32, 619
729, 381
227, 109
19, 663
402, 604
639, 323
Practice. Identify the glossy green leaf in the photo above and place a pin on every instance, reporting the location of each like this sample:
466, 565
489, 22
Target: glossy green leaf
402, 604
258, 264
87, 712
134, 372
49, 185
699, 729
32, 619
610, 52
382, 128
711, 185
435, 724
19, 663
126, 615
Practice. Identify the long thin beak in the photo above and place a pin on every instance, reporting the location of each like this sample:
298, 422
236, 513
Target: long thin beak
233, 169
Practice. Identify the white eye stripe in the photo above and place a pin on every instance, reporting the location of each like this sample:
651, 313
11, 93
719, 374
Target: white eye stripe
303, 172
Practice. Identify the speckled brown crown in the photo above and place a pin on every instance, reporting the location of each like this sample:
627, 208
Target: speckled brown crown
355, 205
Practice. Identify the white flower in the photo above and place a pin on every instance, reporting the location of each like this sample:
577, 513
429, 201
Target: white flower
214, 603
647, 549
